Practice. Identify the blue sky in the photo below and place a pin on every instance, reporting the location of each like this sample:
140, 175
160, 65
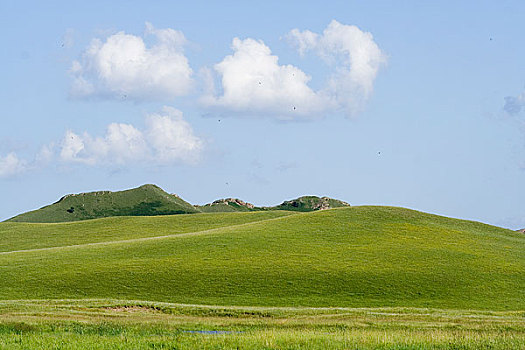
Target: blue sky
407, 103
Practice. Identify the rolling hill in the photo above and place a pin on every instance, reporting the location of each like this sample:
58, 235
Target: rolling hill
151, 200
364, 256
146, 200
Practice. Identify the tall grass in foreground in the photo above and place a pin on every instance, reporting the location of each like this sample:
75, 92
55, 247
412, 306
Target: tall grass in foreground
132, 325
265, 339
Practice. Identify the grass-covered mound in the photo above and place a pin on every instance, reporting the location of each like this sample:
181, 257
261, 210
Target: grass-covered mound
151, 200
357, 257
146, 200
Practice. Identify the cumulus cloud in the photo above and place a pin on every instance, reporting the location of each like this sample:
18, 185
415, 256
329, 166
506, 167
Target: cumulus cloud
171, 137
355, 56
125, 67
11, 165
166, 138
514, 104
253, 82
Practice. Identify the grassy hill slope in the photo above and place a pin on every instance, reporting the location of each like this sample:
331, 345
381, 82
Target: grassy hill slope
356, 257
145, 200
21, 236
151, 200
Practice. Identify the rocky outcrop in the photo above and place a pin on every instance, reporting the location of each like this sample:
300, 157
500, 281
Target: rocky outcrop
311, 203
234, 201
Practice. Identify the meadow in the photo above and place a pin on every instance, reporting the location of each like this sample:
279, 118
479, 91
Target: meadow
112, 324
348, 278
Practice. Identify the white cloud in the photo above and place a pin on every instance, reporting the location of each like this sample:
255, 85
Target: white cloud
254, 83
167, 138
305, 40
355, 56
171, 137
125, 67
11, 165
45, 154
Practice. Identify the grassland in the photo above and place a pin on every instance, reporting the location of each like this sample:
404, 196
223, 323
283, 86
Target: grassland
348, 278
347, 257
112, 324
23, 236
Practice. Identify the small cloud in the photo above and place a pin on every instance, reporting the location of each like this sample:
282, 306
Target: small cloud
355, 56
46, 154
125, 65
514, 104
171, 137
167, 138
11, 165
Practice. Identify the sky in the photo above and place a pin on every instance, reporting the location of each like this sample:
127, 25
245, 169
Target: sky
407, 103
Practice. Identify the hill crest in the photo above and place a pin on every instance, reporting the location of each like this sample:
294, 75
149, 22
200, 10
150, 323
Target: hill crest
151, 200
146, 200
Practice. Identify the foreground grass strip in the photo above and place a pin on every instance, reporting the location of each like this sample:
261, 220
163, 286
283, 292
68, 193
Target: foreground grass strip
114, 324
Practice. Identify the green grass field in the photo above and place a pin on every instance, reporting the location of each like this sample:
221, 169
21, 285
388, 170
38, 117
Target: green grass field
274, 265
111, 324
20, 236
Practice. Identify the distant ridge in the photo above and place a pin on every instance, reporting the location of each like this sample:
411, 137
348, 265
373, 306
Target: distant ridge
227, 205
305, 203
146, 200
151, 200
311, 203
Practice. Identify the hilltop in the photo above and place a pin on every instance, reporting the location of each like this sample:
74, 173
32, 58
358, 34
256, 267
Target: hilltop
304, 203
151, 200
228, 205
311, 203
146, 200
